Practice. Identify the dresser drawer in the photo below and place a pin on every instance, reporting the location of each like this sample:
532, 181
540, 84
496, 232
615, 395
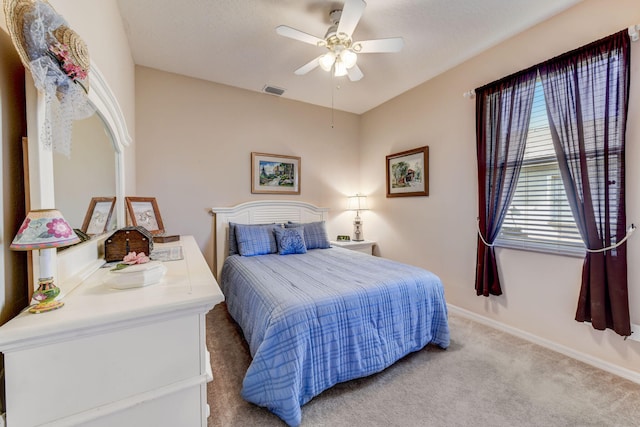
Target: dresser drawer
66, 377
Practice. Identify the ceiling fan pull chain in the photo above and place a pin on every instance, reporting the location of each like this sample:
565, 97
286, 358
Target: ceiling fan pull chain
332, 91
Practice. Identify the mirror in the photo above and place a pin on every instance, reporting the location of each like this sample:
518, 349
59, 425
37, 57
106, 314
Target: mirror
76, 263
89, 172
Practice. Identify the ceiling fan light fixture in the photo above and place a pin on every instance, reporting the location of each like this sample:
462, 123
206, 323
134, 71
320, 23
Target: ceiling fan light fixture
342, 37
339, 69
326, 61
341, 55
349, 58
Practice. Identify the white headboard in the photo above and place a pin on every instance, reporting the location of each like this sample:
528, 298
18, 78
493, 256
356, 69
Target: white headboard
258, 212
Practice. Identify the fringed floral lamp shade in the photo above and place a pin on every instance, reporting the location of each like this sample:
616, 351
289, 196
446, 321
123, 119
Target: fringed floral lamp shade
44, 230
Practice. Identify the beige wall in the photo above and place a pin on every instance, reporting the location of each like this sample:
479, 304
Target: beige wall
195, 140
439, 232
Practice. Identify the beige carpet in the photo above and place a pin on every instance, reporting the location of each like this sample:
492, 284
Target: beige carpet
485, 378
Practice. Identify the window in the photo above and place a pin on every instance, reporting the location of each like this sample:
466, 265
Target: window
539, 217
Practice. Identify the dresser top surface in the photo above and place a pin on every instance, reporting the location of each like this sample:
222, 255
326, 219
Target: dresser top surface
188, 285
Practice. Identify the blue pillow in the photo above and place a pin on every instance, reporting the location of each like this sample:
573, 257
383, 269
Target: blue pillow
233, 242
315, 234
290, 240
256, 239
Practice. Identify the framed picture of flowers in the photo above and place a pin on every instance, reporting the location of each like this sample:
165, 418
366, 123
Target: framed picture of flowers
275, 174
408, 173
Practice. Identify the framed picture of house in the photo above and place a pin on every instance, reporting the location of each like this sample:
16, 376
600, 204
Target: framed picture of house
408, 173
275, 174
144, 212
97, 220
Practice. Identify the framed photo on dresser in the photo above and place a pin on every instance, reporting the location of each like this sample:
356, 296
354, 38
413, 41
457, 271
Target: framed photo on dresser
144, 212
97, 220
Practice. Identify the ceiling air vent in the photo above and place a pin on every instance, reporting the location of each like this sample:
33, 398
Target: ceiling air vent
273, 90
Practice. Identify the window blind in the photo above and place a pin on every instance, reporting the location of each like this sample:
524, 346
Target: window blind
539, 216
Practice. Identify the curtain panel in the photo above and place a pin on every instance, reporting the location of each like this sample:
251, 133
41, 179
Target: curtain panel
586, 93
503, 110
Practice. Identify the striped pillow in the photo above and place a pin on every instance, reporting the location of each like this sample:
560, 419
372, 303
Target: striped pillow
233, 242
256, 239
315, 234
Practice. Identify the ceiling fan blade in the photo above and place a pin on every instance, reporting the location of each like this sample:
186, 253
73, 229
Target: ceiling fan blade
391, 45
351, 14
308, 66
292, 33
355, 73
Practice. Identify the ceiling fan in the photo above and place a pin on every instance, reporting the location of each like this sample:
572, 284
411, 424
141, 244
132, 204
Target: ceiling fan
343, 51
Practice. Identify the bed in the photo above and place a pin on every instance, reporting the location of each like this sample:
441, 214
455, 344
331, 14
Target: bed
321, 316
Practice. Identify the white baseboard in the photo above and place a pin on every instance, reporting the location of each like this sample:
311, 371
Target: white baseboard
635, 332
582, 357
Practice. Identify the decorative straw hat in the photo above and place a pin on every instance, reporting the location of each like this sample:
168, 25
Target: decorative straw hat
15, 12
77, 47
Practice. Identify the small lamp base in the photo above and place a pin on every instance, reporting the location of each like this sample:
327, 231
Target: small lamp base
357, 230
46, 297
43, 307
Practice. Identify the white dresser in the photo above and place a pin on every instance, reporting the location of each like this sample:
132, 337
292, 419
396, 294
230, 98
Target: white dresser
109, 357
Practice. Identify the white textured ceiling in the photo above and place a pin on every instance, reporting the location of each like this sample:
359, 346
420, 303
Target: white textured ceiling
234, 42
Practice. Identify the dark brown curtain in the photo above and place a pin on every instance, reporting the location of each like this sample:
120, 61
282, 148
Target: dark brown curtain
586, 92
503, 110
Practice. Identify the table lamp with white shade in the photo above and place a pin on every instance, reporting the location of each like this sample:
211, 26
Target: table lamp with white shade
44, 230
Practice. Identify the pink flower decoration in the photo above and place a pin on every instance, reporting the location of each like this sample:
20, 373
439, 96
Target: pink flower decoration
61, 54
74, 71
59, 50
24, 225
133, 258
59, 228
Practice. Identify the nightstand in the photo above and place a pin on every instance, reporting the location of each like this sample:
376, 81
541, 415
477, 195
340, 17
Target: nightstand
365, 246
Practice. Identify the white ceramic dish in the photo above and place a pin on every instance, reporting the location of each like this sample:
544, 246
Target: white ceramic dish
136, 276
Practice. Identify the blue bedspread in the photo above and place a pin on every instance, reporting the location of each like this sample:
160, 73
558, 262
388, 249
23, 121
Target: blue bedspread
331, 315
